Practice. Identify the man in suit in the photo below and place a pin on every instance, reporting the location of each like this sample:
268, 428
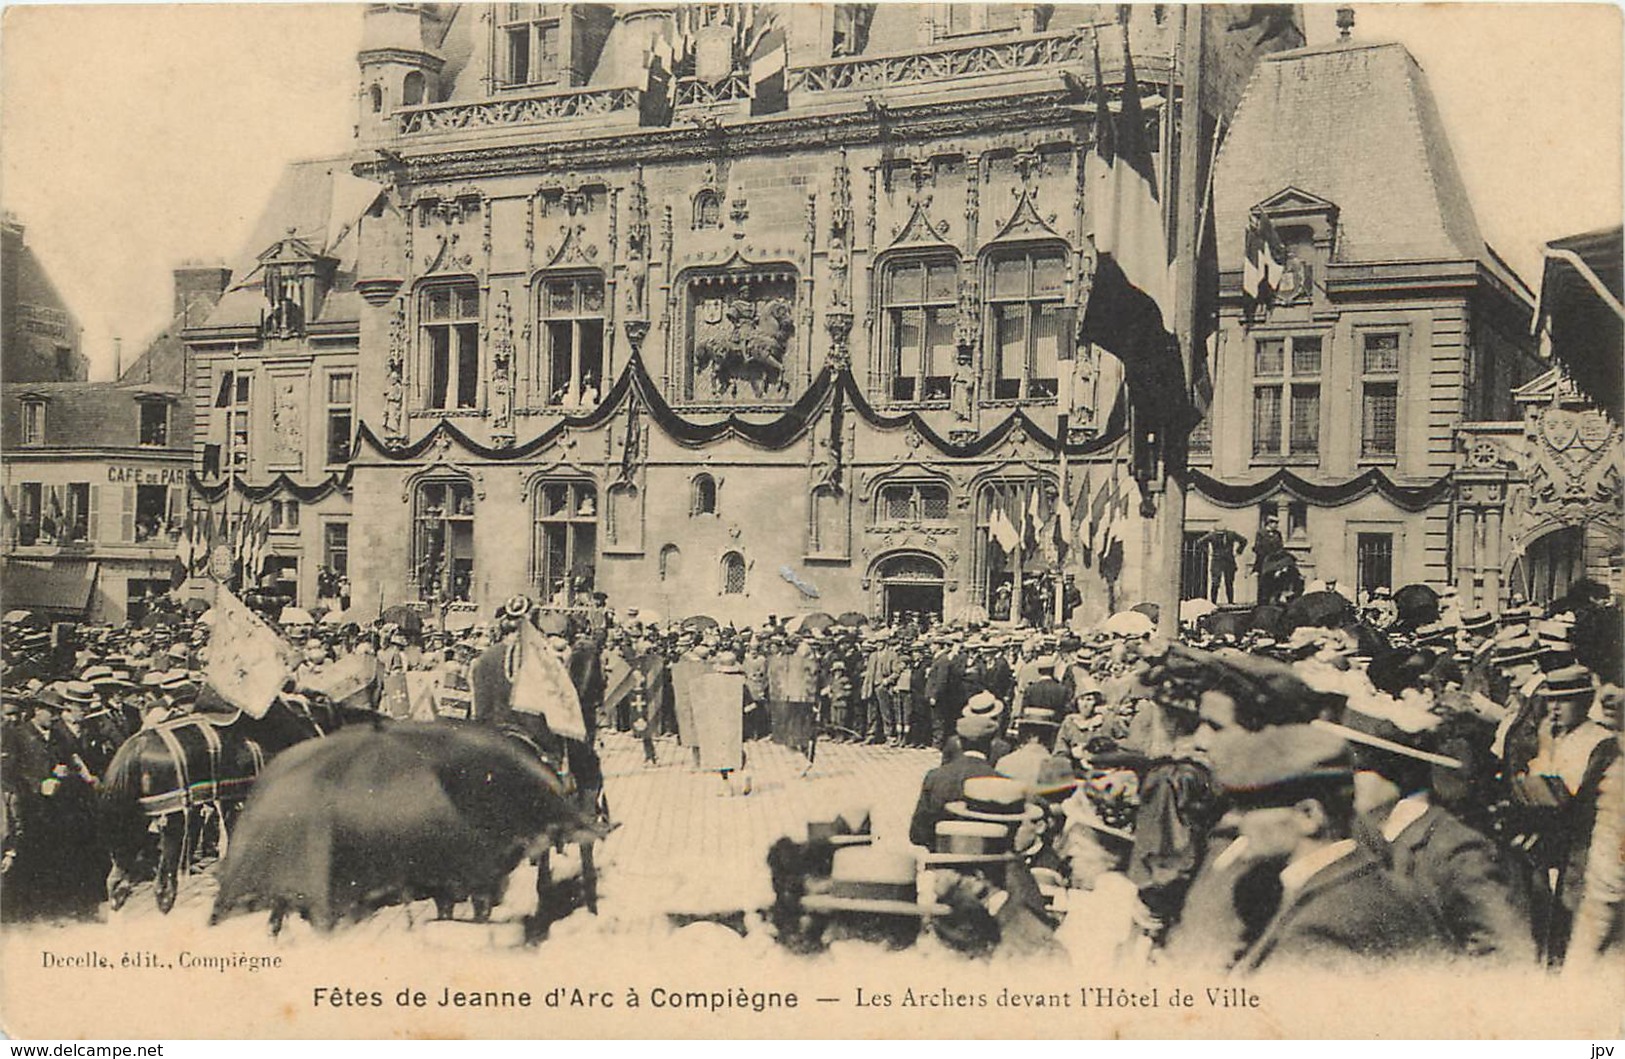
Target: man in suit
946, 690
1456, 871
1293, 786
946, 782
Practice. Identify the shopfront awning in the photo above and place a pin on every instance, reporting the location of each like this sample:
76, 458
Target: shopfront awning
1581, 319
61, 588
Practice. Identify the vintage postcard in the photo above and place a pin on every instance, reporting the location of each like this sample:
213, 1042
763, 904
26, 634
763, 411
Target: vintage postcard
789, 520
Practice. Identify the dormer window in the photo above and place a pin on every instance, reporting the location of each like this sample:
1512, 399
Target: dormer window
295, 278
155, 423
33, 422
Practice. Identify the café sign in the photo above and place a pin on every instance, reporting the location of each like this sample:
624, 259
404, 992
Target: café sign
147, 475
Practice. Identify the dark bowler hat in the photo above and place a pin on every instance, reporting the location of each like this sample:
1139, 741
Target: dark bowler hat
875, 880
1279, 766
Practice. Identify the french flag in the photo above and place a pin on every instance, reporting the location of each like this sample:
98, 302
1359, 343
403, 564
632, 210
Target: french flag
768, 61
1130, 302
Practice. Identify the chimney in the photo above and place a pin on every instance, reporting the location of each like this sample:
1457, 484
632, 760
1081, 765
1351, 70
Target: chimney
197, 291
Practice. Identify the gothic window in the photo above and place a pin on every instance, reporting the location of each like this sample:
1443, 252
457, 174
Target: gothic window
572, 312
741, 336
707, 209
733, 574
1025, 289
449, 346
704, 496
921, 308
566, 540
443, 539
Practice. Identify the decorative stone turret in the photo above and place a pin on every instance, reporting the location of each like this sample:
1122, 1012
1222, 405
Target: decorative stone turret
400, 67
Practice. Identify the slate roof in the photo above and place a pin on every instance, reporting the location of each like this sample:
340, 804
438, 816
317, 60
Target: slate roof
1354, 123
81, 415
301, 201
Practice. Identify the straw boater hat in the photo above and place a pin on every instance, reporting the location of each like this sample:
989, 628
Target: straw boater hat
1478, 623
849, 827
1389, 726
1517, 650
970, 842
994, 800
78, 693
1569, 682
875, 880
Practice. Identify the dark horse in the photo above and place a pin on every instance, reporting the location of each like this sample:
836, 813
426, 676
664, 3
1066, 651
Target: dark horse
171, 777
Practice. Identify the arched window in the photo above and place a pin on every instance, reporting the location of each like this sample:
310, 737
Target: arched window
623, 518
704, 496
1007, 506
412, 89
921, 297
375, 95
733, 574
1025, 288
707, 209
566, 537
671, 562
443, 539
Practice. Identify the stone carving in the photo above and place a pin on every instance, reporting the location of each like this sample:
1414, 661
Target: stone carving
968, 326
287, 422
502, 373
742, 339
394, 378
637, 248
1570, 464
840, 234
839, 325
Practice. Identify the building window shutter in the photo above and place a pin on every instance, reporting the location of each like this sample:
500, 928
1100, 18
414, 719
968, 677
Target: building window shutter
127, 516
91, 534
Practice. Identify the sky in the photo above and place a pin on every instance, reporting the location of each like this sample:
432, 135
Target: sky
134, 138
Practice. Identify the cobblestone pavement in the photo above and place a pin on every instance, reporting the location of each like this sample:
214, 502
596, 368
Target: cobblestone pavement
686, 842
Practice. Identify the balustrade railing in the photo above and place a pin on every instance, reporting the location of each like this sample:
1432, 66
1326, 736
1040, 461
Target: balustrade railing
966, 60
523, 110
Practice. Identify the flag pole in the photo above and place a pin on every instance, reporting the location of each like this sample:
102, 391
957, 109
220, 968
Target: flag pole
1185, 309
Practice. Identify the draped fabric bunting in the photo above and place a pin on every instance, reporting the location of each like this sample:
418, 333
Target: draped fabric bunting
1407, 498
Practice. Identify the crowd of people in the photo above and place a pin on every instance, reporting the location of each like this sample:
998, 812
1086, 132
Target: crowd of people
1360, 783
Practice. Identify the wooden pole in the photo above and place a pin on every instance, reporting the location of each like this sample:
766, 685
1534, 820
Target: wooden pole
1186, 209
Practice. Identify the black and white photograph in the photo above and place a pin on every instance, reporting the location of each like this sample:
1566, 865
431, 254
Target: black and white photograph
812, 520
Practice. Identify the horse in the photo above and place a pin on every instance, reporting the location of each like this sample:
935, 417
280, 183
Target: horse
177, 773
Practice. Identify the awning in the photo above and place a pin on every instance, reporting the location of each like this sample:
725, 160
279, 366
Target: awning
60, 587
1580, 317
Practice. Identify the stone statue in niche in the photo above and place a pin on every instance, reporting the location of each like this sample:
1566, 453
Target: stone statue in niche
502, 371
747, 343
963, 401
287, 423
394, 382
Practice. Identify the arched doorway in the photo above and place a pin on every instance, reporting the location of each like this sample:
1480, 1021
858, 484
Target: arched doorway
1551, 563
911, 584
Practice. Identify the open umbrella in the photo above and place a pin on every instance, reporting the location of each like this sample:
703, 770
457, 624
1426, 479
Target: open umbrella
700, 622
854, 619
1325, 610
295, 616
409, 620
1193, 610
816, 620
194, 606
13, 617
1129, 623
339, 826
1150, 610
1418, 605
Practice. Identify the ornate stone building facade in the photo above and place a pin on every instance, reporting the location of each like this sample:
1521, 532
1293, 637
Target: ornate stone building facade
605, 329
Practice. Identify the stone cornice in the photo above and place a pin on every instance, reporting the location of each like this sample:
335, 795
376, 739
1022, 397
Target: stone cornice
623, 148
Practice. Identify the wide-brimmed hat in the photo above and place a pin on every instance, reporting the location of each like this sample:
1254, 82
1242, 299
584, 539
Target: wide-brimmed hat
984, 704
515, 606
875, 880
77, 693
851, 826
1436, 634
1478, 622
1517, 650
994, 799
1390, 726
1569, 682
970, 842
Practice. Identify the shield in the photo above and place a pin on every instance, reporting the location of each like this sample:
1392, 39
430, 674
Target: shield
719, 715
338, 827
1323, 610
685, 677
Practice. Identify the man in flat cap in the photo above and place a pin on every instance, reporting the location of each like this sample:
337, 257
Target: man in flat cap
1294, 788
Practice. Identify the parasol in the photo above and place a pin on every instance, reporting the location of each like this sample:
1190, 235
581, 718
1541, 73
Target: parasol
817, 620
1129, 623
1325, 610
408, 620
295, 616
700, 622
854, 619
1193, 610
